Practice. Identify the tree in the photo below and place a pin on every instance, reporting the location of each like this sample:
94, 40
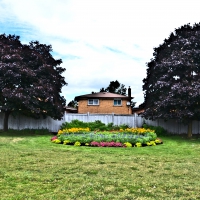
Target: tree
73, 104
172, 85
30, 80
115, 87
118, 88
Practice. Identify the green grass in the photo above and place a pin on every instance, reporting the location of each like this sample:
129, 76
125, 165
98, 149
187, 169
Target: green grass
31, 167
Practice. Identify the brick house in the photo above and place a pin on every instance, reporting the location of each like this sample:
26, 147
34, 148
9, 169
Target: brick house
104, 102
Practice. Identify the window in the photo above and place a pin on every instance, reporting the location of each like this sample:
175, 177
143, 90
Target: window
93, 101
117, 102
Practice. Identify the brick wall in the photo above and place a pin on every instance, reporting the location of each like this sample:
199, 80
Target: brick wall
105, 106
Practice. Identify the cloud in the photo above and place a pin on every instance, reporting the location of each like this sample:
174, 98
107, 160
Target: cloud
99, 41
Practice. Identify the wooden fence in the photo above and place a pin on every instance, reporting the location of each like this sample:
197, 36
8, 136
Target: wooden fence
174, 127
23, 122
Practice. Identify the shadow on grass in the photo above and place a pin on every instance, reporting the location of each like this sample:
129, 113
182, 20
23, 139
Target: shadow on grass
183, 138
25, 133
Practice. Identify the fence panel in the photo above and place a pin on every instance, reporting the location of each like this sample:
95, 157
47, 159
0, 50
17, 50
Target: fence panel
105, 118
174, 127
22, 122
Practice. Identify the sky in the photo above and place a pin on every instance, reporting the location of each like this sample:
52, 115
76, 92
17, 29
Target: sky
98, 40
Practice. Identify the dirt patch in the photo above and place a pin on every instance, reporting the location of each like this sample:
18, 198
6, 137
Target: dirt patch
17, 139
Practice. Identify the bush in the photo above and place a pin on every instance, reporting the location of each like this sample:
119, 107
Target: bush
93, 126
74, 124
160, 131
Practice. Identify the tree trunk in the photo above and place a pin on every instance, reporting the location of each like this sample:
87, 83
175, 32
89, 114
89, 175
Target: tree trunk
6, 116
189, 129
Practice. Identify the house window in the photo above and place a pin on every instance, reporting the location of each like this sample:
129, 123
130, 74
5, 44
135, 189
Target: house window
93, 101
117, 102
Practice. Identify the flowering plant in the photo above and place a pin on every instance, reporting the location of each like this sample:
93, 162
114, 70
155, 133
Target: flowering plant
106, 144
138, 144
77, 143
73, 130
127, 137
57, 141
137, 131
54, 138
66, 142
127, 144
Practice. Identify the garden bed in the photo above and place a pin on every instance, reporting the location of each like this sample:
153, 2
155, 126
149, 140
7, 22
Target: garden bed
129, 137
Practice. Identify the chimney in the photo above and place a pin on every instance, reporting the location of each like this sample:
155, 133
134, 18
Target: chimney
129, 92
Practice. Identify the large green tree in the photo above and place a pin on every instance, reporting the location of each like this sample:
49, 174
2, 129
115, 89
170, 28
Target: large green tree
172, 85
30, 80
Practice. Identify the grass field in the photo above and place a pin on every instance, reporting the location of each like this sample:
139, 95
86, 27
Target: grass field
31, 167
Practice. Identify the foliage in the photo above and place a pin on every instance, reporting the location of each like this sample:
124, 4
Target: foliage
98, 134
73, 104
160, 131
73, 130
106, 138
30, 80
115, 87
96, 125
172, 85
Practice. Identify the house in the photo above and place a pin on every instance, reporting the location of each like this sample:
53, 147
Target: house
104, 102
69, 109
138, 110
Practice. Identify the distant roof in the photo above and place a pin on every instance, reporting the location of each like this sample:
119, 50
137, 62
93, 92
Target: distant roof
106, 95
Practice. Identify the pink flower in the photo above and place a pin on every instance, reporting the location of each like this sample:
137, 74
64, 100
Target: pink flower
54, 138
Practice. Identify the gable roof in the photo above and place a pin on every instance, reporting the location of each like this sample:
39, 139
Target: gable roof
102, 95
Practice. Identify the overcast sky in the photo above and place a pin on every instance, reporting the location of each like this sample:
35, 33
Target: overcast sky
98, 40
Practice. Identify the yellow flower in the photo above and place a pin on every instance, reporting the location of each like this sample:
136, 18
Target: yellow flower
127, 144
138, 144
73, 130
148, 143
66, 142
157, 141
77, 144
57, 141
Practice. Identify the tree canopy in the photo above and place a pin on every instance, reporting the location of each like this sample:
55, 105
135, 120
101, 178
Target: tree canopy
73, 104
172, 85
30, 79
118, 88
115, 87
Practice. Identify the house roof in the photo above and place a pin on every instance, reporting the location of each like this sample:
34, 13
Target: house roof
71, 109
100, 95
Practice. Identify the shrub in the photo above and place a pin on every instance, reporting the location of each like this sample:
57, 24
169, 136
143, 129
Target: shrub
160, 131
74, 124
93, 126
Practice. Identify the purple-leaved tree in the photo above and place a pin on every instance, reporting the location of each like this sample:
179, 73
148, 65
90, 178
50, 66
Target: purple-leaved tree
30, 80
172, 85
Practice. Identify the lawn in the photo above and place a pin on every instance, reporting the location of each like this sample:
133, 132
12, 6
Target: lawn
31, 167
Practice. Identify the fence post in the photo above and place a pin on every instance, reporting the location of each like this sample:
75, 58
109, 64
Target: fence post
135, 125
113, 118
88, 116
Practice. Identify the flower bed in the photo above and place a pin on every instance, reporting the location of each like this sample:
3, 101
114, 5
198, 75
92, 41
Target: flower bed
129, 137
